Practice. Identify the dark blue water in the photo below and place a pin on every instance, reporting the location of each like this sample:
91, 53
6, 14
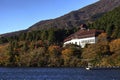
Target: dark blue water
57, 74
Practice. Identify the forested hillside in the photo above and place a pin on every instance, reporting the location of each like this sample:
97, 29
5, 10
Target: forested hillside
109, 22
44, 48
40, 48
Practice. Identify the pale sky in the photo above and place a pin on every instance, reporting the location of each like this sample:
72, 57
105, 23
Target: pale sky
20, 14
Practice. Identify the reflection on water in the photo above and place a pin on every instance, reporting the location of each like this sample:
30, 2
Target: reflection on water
57, 74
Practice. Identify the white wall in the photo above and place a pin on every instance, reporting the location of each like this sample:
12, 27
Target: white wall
82, 42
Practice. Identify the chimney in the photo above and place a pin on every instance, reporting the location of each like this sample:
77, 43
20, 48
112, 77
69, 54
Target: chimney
83, 26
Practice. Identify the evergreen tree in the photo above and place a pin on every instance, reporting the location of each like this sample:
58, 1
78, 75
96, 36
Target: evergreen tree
109, 30
44, 35
22, 36
25, 46
51, 36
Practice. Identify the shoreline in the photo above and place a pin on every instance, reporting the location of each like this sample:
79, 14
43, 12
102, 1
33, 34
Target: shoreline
102, 68
113, 67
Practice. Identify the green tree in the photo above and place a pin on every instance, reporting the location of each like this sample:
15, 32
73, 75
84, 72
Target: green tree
44, 35
22, 36
12, 52
25, 47
51, 36
29, 36
109, 30
3, 40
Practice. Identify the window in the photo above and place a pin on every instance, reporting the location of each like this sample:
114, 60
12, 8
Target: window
76, 43
79, 43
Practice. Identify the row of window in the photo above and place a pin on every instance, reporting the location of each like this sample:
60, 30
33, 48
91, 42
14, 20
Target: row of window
84, 41
88, 41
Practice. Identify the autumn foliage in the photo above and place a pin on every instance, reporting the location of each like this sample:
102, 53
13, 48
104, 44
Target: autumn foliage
115, 46
35, 50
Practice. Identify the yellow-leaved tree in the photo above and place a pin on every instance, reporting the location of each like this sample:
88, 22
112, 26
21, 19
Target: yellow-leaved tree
54, 56
114, 60
115, 46
71, 56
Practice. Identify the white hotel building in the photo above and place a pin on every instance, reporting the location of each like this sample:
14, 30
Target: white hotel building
83, 36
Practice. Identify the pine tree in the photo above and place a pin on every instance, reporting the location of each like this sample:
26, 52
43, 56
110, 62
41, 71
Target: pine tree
44, 35
51, 36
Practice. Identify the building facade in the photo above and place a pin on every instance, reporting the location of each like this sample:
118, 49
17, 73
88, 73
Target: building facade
83, 36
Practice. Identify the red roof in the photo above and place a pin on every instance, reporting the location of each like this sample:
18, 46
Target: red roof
84, 34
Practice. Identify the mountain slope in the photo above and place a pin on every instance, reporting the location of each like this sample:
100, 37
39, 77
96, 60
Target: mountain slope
75, 18
110, 22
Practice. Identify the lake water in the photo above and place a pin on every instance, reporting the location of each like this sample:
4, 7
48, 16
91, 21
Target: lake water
58, 74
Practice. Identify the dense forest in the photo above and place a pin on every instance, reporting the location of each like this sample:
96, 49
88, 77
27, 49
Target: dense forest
110, 22
44, 48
